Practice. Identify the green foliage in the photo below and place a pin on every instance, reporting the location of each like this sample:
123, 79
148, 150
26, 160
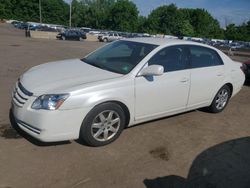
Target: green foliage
142, 24
165, 19
122, 15
105, 14
168, 19
5, 9
240, 33
186, 29
203, 23
91, 13
53, 11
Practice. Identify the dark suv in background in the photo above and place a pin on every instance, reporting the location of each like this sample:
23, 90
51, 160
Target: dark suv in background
247, 69
72, 35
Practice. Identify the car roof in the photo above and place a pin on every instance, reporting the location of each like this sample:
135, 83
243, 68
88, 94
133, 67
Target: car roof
165, 41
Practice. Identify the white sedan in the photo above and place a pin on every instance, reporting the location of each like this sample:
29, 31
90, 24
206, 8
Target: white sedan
122, 84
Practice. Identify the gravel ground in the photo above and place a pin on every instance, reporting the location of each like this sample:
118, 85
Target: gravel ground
194, 149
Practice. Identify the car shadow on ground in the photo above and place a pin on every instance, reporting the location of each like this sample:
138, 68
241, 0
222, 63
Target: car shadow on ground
20, 133
221, 166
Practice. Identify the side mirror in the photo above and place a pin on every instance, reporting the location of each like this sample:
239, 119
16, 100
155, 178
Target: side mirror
152, 70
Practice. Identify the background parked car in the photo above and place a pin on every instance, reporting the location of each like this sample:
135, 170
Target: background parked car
94, 32
247, 69
46, 28
71, 35
85, 29
21, 25
110, 37
100, 36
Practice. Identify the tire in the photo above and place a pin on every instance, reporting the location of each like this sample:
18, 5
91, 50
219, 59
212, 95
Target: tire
220, 100
105, 40
97, 128
80, 39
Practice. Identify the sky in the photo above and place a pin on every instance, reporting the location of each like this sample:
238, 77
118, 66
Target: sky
225, 11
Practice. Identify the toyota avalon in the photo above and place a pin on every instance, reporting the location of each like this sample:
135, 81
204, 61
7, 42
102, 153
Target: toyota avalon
124, 83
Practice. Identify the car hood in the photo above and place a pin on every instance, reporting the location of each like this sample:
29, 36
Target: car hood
54, 77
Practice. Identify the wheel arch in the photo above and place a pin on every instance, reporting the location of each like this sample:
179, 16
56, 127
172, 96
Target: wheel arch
230, 86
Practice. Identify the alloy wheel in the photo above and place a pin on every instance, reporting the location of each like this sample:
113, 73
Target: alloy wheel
221, 99
105, 125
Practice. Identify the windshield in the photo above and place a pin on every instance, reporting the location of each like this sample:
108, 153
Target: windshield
120, 56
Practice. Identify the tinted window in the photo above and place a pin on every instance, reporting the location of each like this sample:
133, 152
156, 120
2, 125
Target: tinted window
120, 51
120, 56
204, 57
70, 33
172, 58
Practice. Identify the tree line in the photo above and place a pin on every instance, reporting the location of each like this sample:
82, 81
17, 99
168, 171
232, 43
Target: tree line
123, 15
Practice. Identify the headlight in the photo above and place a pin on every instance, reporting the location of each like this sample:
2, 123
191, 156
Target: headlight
49, 102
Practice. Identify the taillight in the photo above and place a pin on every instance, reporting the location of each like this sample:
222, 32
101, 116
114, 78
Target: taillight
243, 68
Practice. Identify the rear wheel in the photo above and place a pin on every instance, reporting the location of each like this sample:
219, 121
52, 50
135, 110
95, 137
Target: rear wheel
105, 40
221, 100
103, 124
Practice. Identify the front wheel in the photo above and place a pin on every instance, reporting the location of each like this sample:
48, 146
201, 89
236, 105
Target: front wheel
103, 124
221, 100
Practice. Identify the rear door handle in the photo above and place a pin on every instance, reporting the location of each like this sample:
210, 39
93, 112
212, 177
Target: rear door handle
220, 74
183, 80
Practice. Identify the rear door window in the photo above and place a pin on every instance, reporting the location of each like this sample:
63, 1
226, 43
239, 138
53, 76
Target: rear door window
204, 57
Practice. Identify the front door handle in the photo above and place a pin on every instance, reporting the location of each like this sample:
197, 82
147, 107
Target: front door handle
183, 80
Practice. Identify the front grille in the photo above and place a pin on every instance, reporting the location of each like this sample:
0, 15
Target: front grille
20, 94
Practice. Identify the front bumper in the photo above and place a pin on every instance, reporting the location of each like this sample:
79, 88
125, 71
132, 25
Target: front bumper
49, 126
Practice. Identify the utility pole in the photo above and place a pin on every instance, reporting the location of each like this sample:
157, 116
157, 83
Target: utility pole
70, 7
40, 11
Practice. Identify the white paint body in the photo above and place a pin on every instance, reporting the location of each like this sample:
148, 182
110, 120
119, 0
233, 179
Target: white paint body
168, 94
